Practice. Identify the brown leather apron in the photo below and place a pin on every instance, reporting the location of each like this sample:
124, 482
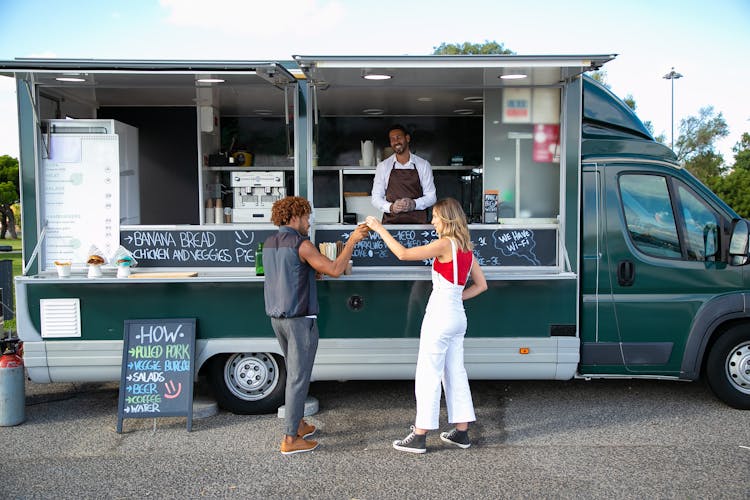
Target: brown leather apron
404, 183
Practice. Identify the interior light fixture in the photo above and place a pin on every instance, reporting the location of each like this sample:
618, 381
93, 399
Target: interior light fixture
464, 111
373, 111
75, 79
424, 99
474, 98
376, 76
263, 112
513, 76
210, 80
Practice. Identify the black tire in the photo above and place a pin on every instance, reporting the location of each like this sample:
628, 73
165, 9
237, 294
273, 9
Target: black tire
248, 383
728, 367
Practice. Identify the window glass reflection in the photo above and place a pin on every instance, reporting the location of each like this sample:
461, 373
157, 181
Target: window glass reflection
649, 216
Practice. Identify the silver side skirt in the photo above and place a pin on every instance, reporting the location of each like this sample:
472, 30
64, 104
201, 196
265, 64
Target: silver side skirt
551, 358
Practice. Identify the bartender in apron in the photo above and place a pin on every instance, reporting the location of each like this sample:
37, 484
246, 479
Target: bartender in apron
404, 187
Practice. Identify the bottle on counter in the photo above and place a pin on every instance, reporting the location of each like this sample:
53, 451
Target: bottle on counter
259, 260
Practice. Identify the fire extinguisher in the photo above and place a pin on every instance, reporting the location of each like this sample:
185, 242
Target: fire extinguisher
12, 385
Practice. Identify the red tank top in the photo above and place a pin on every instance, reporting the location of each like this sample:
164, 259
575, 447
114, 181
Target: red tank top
445, 269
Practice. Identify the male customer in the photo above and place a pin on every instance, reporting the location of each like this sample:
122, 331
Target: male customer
403, 187
290, 261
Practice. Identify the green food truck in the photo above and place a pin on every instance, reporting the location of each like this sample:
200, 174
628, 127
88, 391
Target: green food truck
146, 187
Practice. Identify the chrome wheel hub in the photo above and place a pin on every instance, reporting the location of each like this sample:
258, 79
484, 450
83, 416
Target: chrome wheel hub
738, 367
251, 376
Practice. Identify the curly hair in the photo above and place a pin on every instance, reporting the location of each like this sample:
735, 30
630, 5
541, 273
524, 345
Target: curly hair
284, 209
454, 222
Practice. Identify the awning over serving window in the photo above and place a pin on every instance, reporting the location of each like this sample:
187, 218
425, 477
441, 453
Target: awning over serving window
239, 85
360, 80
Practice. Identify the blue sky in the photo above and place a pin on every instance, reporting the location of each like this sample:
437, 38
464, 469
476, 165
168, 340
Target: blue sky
707, 41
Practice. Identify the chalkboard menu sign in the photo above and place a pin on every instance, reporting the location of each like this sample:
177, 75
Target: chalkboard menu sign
520, 247
194, 248
158, 361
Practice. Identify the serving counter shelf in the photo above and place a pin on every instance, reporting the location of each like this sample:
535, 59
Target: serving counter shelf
384, 273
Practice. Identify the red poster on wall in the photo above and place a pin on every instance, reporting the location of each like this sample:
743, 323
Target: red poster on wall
546, 143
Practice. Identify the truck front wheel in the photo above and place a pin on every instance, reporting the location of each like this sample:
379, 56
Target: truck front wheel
728, 368
248, 383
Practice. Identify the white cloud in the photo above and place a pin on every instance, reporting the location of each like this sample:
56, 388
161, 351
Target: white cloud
253, 18
9, 122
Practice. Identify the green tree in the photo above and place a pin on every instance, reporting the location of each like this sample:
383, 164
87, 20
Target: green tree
9, 195
734, 188
487, 48
695, 146
630, 101
706, 165
600, 75
742, 153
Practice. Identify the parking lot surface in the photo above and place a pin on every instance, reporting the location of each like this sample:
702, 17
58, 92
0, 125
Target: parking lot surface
533, 439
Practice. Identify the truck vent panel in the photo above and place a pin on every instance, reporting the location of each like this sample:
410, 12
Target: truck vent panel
60, 318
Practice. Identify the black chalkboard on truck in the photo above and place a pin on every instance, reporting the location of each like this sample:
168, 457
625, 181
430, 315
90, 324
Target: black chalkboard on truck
194, 247
158, 361
493, 246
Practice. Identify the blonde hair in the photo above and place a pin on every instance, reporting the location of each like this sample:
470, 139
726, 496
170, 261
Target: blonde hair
449, 211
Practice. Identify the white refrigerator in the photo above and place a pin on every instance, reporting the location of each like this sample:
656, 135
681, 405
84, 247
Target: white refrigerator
88, 187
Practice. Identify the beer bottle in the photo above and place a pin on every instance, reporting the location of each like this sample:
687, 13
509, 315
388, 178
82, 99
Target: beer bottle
259, 260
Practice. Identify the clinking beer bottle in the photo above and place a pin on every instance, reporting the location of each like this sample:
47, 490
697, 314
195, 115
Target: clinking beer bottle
259, 260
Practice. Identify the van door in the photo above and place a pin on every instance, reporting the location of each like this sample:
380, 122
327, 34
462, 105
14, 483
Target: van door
600, 338
660, 263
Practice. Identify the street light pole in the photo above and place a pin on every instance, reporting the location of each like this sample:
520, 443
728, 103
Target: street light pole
672, 76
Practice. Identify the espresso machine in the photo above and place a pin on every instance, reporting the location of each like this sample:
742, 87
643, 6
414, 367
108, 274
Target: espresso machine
254, 195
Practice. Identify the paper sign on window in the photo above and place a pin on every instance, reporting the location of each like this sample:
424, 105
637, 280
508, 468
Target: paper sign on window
517, 106
546, 143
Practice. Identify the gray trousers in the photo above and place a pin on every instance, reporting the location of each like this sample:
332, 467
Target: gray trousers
298, 338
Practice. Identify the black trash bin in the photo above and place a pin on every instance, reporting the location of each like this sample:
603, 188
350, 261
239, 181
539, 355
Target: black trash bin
6, 285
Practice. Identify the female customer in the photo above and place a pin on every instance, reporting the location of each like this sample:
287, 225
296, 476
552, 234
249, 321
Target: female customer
441, 342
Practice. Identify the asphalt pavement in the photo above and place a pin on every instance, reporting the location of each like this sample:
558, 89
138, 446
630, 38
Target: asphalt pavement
533, 439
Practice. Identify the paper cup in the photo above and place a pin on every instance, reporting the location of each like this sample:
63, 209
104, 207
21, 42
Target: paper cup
95, 271
63, 270
123, 271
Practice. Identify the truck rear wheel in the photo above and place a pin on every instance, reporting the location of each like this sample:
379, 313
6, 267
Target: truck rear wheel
728, 368
248, 383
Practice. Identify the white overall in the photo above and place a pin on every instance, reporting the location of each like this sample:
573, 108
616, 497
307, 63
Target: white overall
441, 355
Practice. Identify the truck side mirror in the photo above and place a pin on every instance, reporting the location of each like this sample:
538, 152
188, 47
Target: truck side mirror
738, 243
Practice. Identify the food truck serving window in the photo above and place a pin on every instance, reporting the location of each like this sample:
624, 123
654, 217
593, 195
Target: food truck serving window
132, 143
513, 103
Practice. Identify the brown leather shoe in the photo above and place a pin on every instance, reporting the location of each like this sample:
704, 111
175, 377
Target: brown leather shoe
305, 430
299, 445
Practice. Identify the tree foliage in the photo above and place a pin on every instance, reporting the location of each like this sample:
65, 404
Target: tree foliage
600, 75
695, 146
742, 153
487, 48
706, 165
734, 188
9, 195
